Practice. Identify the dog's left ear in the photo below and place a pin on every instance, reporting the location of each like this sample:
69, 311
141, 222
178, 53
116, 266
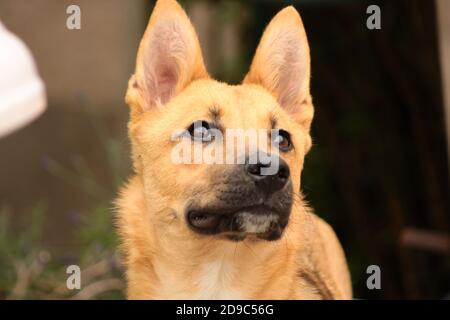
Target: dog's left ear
282, 65
169, 59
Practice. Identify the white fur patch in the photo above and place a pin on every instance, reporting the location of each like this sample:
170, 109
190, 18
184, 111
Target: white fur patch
254, 223
214, 282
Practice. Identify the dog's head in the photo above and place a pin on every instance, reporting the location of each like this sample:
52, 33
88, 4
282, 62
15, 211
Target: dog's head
180, 117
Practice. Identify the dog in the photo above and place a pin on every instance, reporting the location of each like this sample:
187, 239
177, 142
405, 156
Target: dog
222, 231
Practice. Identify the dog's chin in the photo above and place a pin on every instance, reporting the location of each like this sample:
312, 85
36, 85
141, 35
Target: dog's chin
272, 235
253, 223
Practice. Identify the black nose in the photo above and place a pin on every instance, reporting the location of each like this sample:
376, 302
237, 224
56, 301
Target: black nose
269, 183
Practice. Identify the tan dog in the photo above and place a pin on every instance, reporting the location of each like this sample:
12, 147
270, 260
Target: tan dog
202, 231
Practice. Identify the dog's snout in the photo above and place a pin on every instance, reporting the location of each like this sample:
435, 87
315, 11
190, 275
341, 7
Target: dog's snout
254, 198
269, 183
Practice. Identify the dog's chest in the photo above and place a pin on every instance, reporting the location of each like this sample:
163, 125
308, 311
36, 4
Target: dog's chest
215, 281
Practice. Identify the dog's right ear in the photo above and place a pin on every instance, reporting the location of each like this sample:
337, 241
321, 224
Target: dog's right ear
169, 59
282, 65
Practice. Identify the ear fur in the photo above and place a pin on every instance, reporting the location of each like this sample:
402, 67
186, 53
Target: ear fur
169, 58
282, 65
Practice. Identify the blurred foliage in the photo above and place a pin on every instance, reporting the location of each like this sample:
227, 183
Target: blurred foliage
30, 270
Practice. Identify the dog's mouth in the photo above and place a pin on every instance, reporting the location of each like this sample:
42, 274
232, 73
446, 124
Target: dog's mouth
258, 221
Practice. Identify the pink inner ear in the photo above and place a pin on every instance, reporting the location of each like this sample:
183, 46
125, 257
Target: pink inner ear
167, 81
282, 65
167, 47
292, 78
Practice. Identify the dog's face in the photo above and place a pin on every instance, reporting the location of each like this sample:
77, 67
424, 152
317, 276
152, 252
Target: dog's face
179, 113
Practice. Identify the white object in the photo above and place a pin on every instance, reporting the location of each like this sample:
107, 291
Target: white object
22, 92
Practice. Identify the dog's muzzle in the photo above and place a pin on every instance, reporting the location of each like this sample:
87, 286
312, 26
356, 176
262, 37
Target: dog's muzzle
260, 221
251, 204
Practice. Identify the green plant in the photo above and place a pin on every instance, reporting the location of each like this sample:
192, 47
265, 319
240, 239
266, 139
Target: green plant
30, 270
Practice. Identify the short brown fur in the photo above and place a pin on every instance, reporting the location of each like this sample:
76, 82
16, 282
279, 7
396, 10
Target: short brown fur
169, 90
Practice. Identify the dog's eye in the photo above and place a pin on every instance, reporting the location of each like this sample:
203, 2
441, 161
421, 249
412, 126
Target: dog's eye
200, 131
282, 140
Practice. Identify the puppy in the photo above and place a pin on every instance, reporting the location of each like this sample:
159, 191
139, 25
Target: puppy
196, 230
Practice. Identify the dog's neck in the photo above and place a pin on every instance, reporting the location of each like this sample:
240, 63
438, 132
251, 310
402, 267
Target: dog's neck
173, 264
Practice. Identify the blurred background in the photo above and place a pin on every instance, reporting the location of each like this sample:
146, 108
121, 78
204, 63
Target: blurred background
378, 173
